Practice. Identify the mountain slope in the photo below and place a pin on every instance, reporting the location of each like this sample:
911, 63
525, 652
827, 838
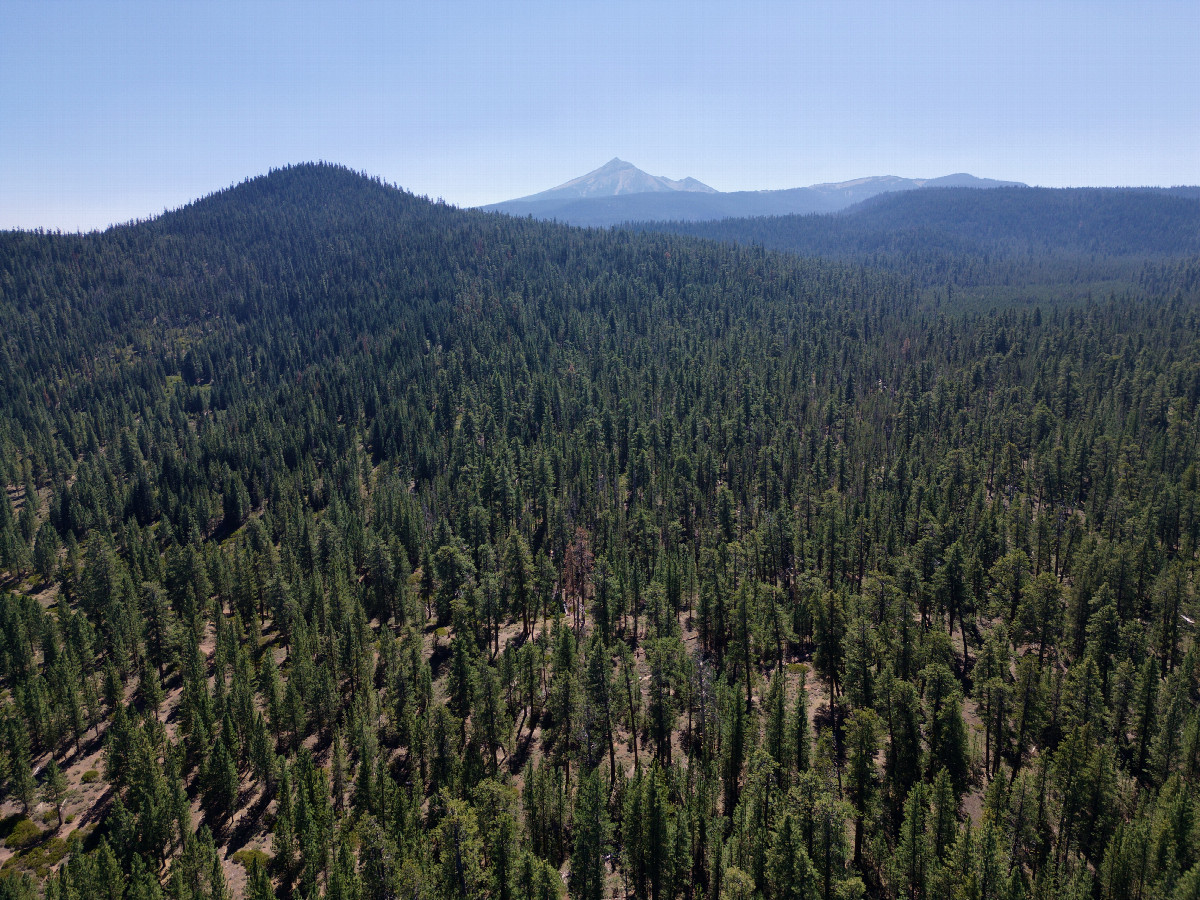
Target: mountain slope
1004, 236
614, 210
358, 546
846, 193
619, 192
615, 178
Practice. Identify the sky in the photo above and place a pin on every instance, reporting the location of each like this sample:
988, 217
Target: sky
111, 111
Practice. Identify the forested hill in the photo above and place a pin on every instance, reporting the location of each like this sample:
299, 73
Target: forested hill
1001, 236
357, 546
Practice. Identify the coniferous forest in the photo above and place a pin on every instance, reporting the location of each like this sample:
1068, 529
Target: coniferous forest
357, 546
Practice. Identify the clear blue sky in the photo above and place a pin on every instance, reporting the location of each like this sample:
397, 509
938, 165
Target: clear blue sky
115, 110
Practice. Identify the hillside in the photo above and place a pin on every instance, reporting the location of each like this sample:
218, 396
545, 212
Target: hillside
358, 546
1097, 222
1085, 238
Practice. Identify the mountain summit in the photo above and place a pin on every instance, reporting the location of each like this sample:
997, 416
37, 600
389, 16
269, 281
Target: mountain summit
615, 178
621, 192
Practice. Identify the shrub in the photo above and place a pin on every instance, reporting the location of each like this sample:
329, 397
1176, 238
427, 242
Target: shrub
24, 834
248, 857
41, 859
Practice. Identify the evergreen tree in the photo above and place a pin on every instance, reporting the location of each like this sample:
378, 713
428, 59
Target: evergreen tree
912, 860
861, 741
54, 787
790, 874
590, 823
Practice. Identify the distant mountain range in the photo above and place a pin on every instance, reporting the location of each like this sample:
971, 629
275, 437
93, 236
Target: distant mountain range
1006, 242
620, 192
1104, 222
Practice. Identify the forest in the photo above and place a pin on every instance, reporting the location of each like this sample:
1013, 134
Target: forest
999, 244
357, 546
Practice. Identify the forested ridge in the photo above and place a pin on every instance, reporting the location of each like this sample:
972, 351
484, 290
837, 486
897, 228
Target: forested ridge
358, 546
998, 245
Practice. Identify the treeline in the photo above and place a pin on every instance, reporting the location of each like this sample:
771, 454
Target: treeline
405, 551
999, 244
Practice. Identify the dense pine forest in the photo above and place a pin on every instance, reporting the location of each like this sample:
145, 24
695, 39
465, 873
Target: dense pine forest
356, 546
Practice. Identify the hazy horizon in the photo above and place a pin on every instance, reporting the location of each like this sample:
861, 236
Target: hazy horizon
120, 111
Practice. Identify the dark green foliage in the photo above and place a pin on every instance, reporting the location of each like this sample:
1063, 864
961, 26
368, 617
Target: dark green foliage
993, 238
439, 553
590, 824
790, 874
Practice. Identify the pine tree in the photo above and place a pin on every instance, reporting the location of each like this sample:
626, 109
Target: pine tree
258, 885
659, 833
143, 883
54, 787
220, 783
377, 863
947, 730
912, 860
45, 551
733, 743
1041, 614
599, 696
790, 874
216, 879
776, 723
991, 873
340, 768
152, 691
943, 821
798, 730
518, 576
490, 718
903, 723
459, 853
21, 780
1146, 718
590, 838
283, 835
862, 736
829, 844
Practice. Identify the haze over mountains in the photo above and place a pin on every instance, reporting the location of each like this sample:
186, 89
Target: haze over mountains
620, 192
1005, 225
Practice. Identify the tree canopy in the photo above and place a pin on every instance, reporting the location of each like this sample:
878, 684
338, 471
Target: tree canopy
357, 545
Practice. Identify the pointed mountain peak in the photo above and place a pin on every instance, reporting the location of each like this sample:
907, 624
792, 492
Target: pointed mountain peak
614, 178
